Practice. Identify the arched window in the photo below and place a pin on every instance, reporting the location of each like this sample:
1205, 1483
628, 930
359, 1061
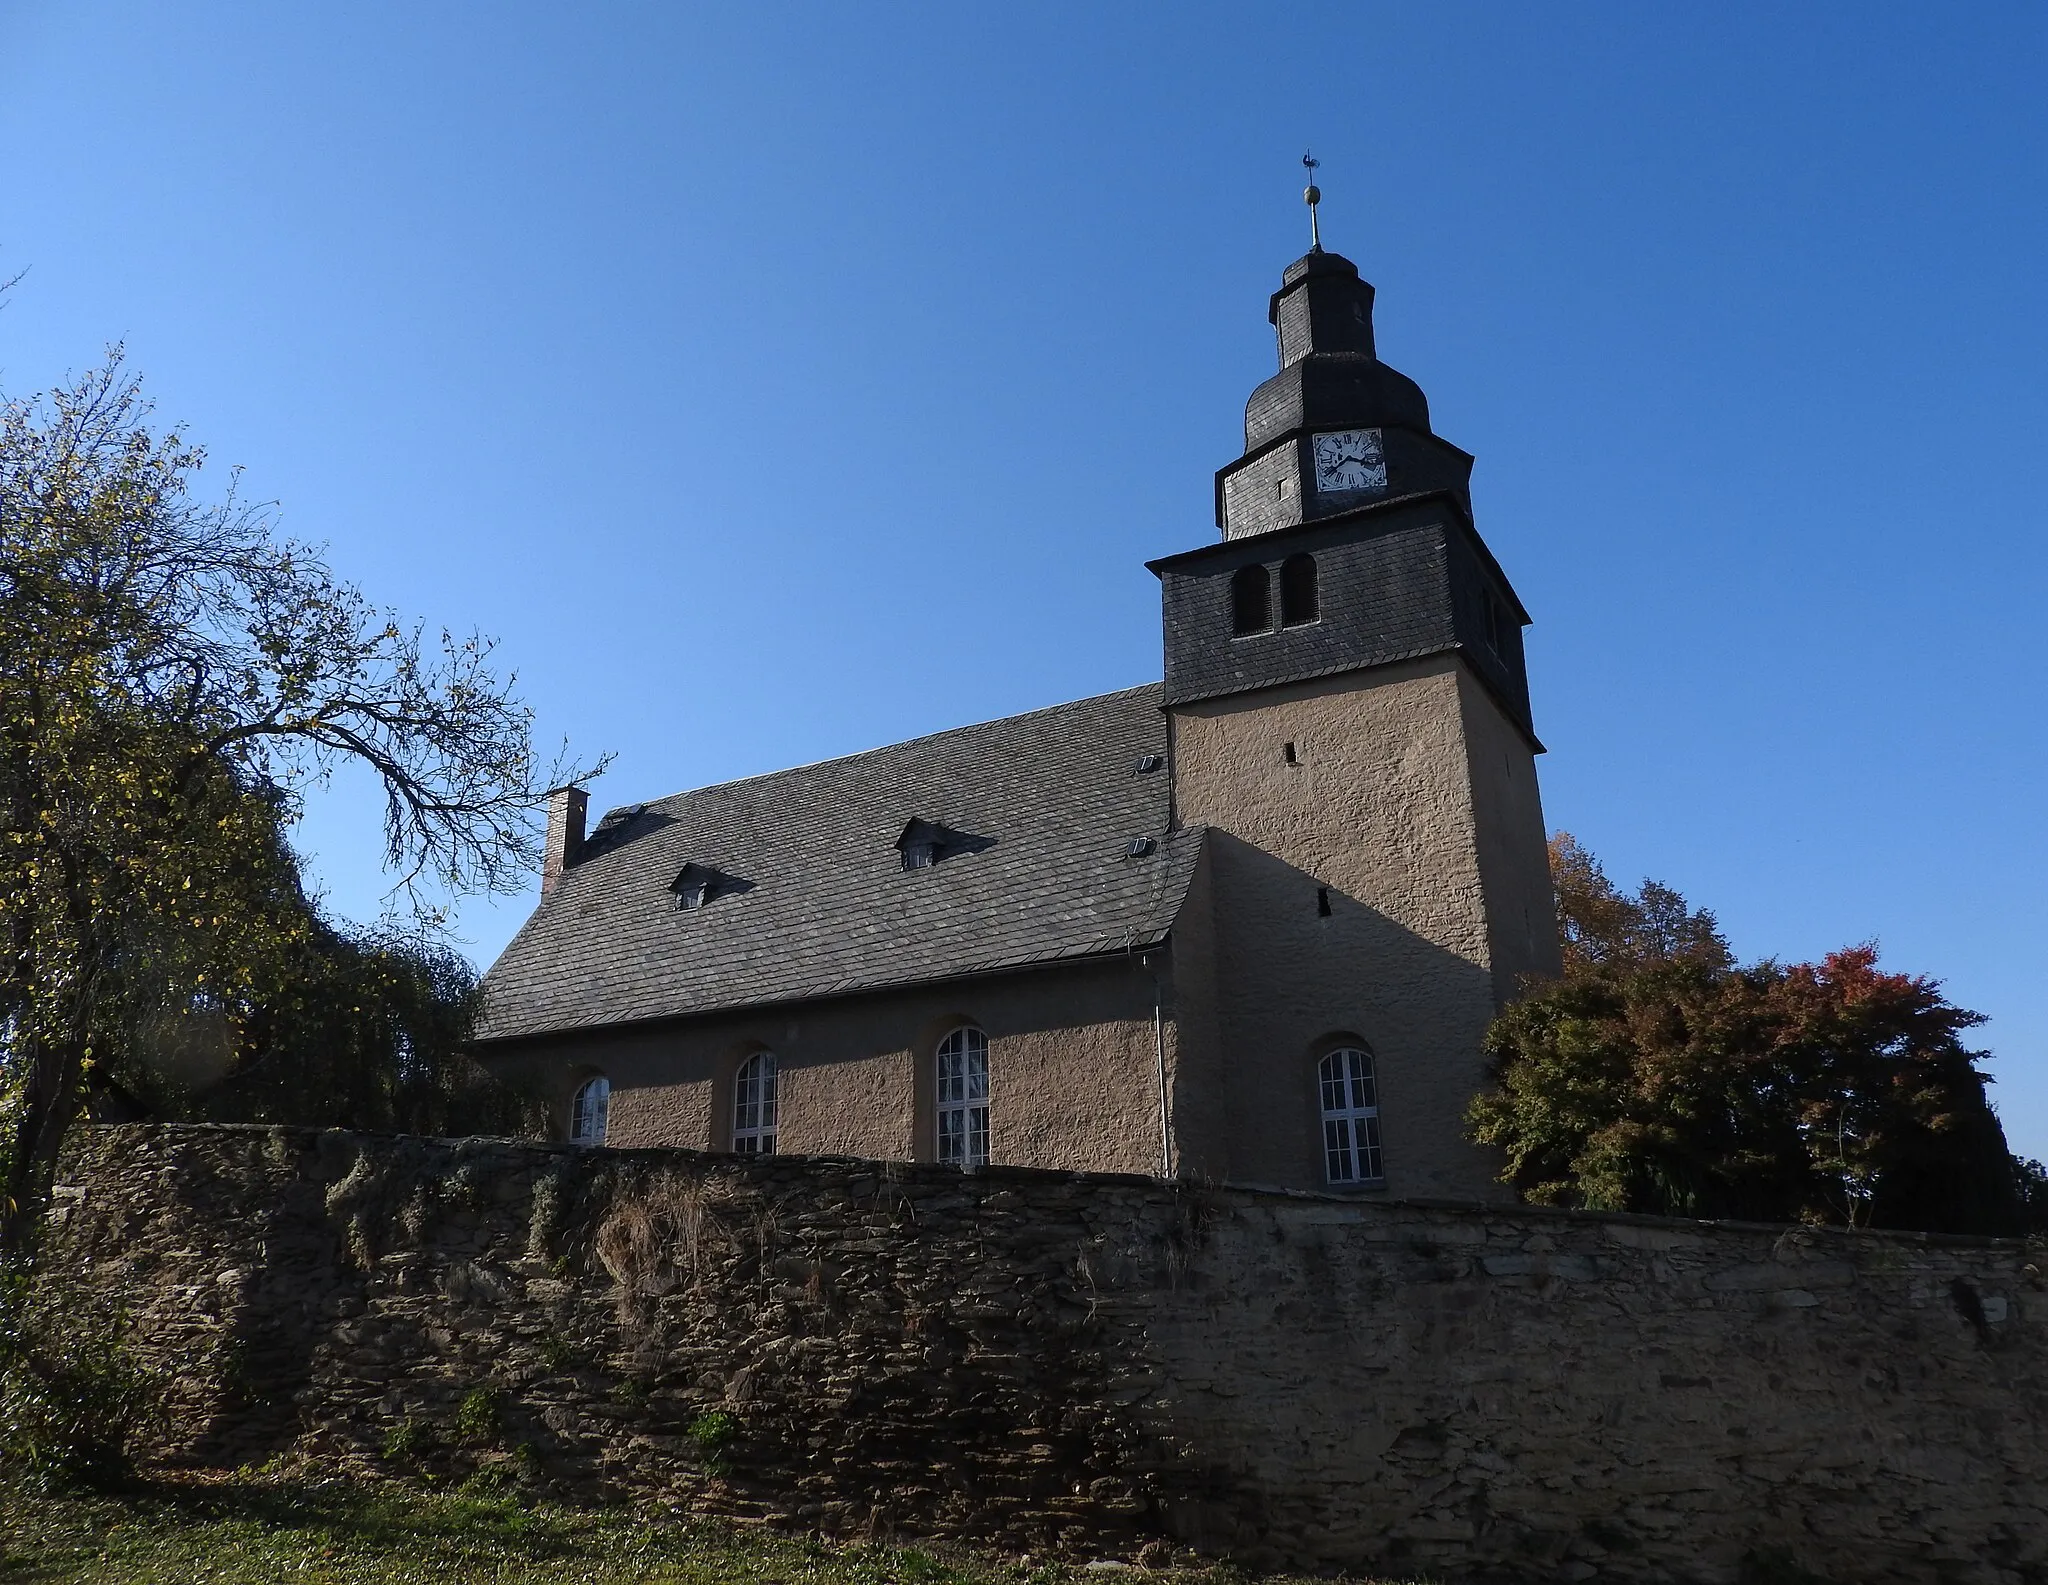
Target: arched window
1351, 1117
590, 1111
1251, 601
1298, 590
962, 1095
753, 1106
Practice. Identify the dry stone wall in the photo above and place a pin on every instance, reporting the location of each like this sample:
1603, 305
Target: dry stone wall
1090, 1362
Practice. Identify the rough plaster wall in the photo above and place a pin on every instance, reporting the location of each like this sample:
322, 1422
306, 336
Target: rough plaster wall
1514, 855
1485, 1394
1379, 809
1201, 1120
1072, 1064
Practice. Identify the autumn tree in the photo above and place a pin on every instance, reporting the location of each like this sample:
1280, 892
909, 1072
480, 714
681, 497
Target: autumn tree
173, 677
1661, 1075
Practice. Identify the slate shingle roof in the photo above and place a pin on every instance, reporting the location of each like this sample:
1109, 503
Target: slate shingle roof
820, 903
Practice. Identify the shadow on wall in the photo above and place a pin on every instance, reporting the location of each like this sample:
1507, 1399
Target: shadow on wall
1300, 962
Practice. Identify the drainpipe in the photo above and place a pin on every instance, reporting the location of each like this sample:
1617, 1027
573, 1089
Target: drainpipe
1159, 1060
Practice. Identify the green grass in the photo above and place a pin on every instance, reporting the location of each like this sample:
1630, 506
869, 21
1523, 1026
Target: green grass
253, 1531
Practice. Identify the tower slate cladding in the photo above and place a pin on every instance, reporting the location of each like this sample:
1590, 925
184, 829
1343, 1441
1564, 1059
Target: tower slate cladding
1348, 712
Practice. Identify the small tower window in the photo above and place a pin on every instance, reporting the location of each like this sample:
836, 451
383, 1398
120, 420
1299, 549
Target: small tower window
590, 1112
1298, 603
1351, 1117
1496, 627
753, 1106
1251, 601
962, 1095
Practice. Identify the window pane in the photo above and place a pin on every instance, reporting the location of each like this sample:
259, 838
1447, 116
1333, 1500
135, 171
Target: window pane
753, 1105
1337, 1149
590, 1112
1369, 1140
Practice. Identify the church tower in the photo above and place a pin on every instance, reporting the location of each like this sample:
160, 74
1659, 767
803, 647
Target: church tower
1349, 716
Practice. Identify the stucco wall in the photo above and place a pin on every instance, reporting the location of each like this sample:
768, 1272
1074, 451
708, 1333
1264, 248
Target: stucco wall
1378, 808
1514, 855
1093, 1361
1073, 1064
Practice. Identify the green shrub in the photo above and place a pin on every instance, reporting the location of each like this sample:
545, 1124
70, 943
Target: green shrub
73, 1398
481, 1418
714, 1433
405, 1442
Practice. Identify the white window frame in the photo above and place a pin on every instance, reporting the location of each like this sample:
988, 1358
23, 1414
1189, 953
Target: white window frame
756, 1108
590, 1111
960, 1098
1348, 1082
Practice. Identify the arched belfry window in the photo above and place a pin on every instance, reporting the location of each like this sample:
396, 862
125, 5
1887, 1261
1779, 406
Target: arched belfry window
1298, 599
1251, 601
753, 1106
590, 1112
1351, 1117
962, 1098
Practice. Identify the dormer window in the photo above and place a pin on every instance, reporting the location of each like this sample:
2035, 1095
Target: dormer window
925, 842
697, 885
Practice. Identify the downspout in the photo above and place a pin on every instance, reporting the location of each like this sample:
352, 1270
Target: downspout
1159, 1061
1158, 1056
1159, 1052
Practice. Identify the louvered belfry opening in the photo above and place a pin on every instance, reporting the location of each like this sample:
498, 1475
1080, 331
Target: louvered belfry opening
1299, 602
1251, 601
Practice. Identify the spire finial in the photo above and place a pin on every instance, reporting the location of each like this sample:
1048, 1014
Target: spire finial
1312, 195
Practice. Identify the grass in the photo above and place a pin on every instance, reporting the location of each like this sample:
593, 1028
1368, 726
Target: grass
253, 1530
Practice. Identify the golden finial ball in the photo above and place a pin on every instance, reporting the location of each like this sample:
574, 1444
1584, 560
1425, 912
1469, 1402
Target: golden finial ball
1311, 194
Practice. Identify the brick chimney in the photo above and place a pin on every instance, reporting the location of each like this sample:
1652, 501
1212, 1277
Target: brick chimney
567, 807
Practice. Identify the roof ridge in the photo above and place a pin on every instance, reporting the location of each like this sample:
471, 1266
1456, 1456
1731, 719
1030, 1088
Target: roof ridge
891, 748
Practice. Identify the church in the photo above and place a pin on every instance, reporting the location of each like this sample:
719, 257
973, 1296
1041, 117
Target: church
1246, 924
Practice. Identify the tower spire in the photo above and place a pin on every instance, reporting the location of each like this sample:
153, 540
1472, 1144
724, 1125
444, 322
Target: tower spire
1312, 195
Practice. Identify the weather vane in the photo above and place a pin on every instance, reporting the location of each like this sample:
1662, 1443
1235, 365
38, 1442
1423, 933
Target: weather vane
1312, 195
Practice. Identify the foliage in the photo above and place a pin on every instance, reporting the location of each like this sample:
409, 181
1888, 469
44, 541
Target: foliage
2033, 1189
73, 1399
480, 1417
173, 677
714, 1433
1660, 1075
405, 1442
264, 1532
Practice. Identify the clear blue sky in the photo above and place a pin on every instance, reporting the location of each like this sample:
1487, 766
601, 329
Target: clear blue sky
777, 382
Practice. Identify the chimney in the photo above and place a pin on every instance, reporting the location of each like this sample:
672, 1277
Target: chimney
567, 807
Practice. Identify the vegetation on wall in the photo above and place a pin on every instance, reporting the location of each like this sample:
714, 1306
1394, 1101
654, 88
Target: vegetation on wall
1661, 1075
173, 677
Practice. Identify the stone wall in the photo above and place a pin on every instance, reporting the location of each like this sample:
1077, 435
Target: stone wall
1092, 1362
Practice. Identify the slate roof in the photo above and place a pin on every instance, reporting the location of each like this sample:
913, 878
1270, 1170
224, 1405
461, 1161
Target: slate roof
815, 901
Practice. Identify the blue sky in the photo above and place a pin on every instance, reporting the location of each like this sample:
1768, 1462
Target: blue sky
780, 381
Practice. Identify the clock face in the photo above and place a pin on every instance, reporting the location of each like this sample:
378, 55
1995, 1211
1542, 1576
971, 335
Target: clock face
1350, 459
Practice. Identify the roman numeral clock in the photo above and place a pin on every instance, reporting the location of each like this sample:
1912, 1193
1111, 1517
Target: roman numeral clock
1350, 459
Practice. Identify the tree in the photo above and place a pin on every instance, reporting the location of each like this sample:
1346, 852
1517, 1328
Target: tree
1660, 1075
173, 676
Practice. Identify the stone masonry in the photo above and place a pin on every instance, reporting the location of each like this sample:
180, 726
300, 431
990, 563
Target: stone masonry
1089, 1362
